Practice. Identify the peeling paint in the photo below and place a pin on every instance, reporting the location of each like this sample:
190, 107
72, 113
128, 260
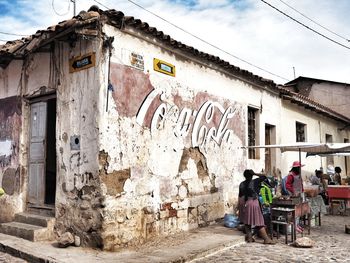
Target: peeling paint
10, 127
11, 181
114, 180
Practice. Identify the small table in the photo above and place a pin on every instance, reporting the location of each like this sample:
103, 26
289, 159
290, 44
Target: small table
286, 217
302, 210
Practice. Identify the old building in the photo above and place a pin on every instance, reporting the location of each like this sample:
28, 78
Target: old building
332, 94
122, 133
310, 121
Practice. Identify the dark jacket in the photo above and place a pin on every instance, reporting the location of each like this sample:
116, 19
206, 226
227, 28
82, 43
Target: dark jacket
251, 188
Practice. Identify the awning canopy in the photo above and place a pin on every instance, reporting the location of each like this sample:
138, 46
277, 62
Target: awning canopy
322, 149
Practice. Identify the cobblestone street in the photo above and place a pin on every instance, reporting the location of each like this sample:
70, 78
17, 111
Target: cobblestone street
332, 245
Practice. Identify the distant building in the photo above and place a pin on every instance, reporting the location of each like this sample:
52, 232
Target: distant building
332, 94
122, 134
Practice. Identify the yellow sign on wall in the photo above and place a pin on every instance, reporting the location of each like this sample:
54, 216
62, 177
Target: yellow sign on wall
163, 67
82, 62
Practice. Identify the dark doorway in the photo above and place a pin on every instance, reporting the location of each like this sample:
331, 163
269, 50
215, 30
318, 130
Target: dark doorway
270, 154
50, 180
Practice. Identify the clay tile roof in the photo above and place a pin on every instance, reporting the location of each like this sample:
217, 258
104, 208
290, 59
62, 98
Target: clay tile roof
18, 48
117, 18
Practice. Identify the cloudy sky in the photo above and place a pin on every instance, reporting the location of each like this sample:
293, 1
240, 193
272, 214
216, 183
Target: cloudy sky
243, 30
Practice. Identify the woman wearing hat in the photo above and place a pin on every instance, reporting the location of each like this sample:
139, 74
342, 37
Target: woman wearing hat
294, 186
249, 209
294, 183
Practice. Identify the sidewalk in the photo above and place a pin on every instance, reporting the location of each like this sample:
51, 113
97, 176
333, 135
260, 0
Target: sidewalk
181, 247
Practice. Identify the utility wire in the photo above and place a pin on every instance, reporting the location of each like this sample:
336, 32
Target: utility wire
12, 34
54, 9
102, 4
300, 23
202, 40
346, 39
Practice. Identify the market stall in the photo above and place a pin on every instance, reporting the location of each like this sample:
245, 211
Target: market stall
284, 210
338, 193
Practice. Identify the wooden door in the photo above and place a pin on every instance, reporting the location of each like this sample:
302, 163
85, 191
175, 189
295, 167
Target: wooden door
268, 169
36, 182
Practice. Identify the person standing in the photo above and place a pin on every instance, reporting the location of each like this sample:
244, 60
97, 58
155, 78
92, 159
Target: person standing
320, 182
330, 174
294, 182
249, 208
294, 187
337, 176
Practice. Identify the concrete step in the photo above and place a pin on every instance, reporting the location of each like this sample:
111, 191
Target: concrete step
37, 220
26, 231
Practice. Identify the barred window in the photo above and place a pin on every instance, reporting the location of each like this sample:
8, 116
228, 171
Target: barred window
300, 132
252, 131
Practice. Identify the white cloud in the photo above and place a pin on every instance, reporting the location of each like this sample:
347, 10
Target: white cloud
248, 29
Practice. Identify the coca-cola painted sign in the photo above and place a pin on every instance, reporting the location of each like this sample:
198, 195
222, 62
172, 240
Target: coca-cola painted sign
201, 119
200, 122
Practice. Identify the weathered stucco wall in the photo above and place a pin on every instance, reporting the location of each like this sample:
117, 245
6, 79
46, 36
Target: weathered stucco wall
19, 79
169, 146
10, 181
78, 195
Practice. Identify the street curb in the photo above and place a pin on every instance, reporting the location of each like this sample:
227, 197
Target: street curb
23, 255
201, 245
186, 258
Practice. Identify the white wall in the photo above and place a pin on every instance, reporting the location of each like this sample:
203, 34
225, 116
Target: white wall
159, 167
316, 128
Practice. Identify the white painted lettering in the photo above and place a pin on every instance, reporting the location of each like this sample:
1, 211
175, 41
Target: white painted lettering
202, 130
